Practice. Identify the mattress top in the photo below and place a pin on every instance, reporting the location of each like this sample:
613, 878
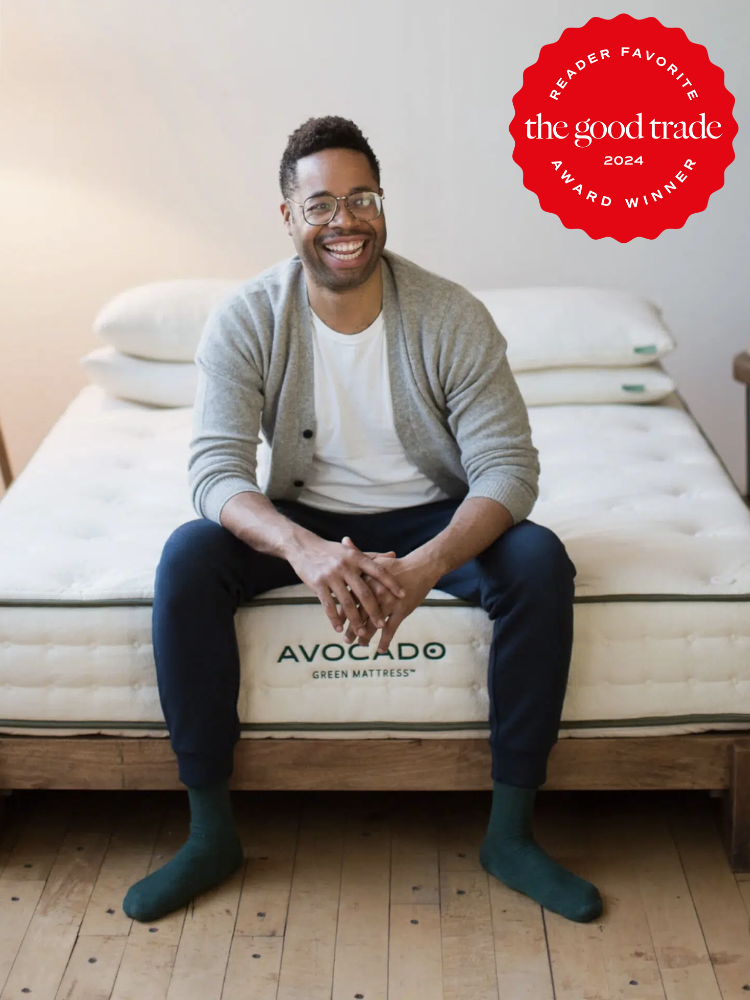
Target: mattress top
635, 492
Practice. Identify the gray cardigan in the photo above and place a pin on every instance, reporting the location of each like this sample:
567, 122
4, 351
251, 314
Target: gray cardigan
456, 406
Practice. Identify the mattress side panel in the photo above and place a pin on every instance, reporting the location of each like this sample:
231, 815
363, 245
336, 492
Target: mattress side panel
644, 663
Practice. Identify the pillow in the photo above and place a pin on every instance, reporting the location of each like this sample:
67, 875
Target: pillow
554, 386
161, 321
159, 383
563, 327
165, 383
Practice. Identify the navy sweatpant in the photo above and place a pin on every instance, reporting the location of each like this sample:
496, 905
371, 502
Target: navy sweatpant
523, 580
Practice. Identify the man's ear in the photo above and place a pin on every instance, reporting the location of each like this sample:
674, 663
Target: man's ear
286, 216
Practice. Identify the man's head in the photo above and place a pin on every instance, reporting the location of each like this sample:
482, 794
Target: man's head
329, 158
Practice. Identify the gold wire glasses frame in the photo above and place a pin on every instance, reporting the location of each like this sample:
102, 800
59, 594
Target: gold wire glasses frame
362, 217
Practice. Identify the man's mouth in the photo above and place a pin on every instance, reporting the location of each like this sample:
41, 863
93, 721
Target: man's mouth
345, 249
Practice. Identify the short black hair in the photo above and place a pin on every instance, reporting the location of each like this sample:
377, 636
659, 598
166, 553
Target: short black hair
329, 132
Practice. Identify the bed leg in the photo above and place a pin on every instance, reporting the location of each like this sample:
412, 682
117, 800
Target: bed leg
736, 810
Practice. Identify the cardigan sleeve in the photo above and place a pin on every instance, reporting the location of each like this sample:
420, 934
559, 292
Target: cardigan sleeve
486, 412
222, 458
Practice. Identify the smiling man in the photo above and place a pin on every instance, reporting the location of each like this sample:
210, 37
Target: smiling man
402, 461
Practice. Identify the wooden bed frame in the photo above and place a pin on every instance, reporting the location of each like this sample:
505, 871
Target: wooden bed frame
719, 762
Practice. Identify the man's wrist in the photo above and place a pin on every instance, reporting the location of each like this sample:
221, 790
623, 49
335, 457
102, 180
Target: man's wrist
430, 559
292, 540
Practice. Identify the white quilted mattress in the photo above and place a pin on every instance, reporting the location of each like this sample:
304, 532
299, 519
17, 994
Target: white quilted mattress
657, 530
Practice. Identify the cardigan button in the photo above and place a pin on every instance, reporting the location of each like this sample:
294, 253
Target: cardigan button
307, 434
298, 482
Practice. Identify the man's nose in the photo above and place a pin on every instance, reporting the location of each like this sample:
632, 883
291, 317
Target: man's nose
343, 214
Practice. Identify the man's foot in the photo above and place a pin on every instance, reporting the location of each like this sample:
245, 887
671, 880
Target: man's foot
200, 864
212, 853
510, 853
524, 866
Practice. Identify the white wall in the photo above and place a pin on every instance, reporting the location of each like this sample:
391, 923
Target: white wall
140, 139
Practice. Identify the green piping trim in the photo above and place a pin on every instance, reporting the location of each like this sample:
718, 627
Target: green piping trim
660, 598
432, 602
126, 602
675, 720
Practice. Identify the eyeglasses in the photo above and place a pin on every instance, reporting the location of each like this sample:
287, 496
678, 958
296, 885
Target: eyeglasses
319, 211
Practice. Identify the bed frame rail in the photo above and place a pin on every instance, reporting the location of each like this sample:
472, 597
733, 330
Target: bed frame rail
711, 761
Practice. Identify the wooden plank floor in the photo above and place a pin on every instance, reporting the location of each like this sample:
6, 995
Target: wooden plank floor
377, 896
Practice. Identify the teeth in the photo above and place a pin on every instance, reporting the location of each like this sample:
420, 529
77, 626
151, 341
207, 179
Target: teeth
347, 248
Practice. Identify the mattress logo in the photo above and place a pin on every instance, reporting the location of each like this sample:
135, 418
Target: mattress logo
623, 128
334, 651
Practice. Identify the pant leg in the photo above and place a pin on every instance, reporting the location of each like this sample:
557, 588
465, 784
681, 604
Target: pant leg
204, 573
525, 582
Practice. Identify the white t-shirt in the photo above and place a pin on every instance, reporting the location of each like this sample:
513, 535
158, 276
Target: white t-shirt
359, 465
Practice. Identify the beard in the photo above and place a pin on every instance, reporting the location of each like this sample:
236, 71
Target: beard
313, 256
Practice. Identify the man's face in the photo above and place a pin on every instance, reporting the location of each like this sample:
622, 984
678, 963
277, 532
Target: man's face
335, 172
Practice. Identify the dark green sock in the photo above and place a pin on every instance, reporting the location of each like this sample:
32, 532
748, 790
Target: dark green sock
510, 853
211, 853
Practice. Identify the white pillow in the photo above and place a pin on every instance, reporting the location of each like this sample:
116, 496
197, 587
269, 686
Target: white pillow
163, 320
554, 386
563, 327
159, 383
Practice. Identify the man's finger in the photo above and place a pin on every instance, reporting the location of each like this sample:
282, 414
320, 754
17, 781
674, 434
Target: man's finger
348, 605
390, 630
386, 578
370, 629
367, 565
366, 638
386, 602
369, 605
333, 613
350, 635
346, 540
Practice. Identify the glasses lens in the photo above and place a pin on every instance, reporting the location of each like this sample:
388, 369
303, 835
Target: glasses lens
364, 205
319, 211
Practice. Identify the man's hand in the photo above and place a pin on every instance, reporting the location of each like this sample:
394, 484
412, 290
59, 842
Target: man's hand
476, 524
417, 576
333, 569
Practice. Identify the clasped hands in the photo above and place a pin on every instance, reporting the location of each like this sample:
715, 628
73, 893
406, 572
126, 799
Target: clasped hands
416, 578
374, 590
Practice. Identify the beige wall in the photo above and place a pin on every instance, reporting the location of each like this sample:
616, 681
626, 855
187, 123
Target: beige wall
140, 140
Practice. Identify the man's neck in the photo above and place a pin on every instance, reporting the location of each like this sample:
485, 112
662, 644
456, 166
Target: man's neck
349, 311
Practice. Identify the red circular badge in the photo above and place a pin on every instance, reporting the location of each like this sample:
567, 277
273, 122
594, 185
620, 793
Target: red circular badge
623, 128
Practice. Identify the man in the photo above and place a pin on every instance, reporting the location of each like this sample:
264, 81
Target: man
402, 461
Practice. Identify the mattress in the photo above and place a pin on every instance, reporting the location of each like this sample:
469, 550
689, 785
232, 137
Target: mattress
656, 528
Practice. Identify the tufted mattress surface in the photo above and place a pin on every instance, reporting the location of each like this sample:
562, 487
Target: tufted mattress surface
658, 532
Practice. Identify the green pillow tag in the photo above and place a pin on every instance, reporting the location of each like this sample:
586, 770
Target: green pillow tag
648, 349
634, 388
